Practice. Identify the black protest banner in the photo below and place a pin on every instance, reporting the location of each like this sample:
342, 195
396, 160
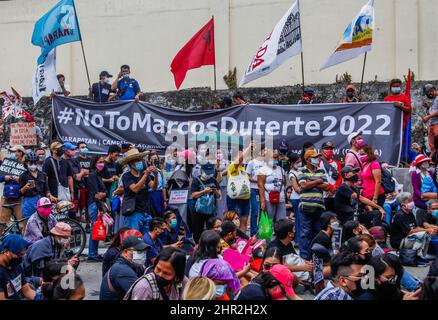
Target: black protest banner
11, 167
152, 127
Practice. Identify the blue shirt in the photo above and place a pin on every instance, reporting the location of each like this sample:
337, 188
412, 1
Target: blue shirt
155, 249
128, 88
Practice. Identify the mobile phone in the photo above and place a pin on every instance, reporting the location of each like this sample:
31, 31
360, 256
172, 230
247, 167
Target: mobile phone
32, 183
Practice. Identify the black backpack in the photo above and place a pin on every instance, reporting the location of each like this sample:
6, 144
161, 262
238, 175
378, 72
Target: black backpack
388, 183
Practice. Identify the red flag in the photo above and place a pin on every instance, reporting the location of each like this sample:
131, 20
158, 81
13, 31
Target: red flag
408, 88
199, 51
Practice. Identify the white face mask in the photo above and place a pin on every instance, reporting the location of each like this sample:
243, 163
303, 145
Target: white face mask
221, 289
63, 241
139, 257
237, 222
33, 167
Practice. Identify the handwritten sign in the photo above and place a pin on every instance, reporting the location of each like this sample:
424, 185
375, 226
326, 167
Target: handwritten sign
337, 239
23, 133
11, 167
178, 196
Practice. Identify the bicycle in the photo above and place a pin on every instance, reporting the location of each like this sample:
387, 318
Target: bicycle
15, 226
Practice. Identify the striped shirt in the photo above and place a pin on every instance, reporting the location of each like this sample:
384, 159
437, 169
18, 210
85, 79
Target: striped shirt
330, 292
312, 197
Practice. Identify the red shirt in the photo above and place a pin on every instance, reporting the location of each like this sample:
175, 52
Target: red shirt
405, 100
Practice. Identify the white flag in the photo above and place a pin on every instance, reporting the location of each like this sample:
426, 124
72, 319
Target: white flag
357, 38
44, 80
283, 42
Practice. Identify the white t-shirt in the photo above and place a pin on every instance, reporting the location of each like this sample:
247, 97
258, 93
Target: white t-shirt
330, 179
275, 180
58, 90
296, 175
252, 170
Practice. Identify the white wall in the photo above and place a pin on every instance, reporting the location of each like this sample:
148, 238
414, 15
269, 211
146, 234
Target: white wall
146, 34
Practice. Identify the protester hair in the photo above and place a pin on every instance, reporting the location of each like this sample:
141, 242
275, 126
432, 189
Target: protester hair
62, 292
368, 239
394, 262
94, 161
207, 247
211, 221
59, 76
177, 259
353, 245
349, 226
289, 188
369, 152
80, 143
199, 288
394, 81
403, 196
229, 215
156, 222
227, 227
283, 227
168, 213
430, 288
273, 253
40, 148
125, 66
117, 239
266, 280
340, 264
114, 148
51, 272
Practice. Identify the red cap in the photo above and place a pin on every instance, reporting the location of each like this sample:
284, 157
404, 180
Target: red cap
420, 159
285, 277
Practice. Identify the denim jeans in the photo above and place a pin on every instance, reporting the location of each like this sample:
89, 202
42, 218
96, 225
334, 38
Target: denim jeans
389, 208
93, 246
409, 282
157, 202
255, 208
309, 228
297, 214
29, 206
139, 221
241, 206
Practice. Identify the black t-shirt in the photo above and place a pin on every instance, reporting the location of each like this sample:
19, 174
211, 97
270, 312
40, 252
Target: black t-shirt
95, 185
142, 197
283, 249
83, 163
41, 187
343, 206
11, 282
110, 170
253, 291
323, 239
64, 171
424, 217
210, 183
101, 92
401, 225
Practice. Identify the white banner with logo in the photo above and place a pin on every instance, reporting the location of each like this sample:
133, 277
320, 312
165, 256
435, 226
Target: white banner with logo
44, 80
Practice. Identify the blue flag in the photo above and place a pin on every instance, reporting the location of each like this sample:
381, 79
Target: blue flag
56, 27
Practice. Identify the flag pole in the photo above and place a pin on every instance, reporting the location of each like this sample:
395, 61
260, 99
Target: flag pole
214, 46
302, 68
302, 54
82, 45
363, 72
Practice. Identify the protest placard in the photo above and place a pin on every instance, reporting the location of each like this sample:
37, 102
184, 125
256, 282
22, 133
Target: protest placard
11, 167
23, 133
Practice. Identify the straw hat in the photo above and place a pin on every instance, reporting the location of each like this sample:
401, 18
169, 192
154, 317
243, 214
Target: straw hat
133, 154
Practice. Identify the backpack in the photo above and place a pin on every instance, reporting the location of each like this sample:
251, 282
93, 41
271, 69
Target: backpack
11, 190
150, 278
388, 183
206, 204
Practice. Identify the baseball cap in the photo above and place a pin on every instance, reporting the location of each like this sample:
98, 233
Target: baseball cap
348, 169
311, 154
56, 145
17, 147
44, 202
134, 242
69, 146
208, 168
285, 277
325, 219
105, 74
283, 147
328, 144
14, 243
353, 136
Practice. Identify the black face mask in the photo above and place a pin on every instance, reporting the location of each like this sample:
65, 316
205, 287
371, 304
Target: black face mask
350, 95
431, 96
387, 290
15, 262
59, 152
161, 282
366, 259
359, 290
353, 179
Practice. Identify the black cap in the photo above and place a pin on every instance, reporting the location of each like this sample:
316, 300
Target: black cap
105, 74
135, 242
328, 144
293, 157
208, 168
348, 169
325, 219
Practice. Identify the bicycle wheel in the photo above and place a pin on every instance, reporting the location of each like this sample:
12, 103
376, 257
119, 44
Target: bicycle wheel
79, 237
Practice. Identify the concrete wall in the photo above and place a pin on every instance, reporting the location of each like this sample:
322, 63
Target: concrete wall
147, 34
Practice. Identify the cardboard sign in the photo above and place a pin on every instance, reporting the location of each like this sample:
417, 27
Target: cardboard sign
318, 273
178, 196
23, 133
235, 259
337, 239
11, 167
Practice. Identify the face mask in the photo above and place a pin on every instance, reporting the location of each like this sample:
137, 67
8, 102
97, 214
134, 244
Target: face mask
350, 94
63, 241
435, 213
334, 225
431, 96
353, 179
41, 158
161, 282
396, 90
360, 143
104, 79
139, 166
44, 212
298, 164
40, 168
59, 152
273, 163
328, 153
314, 162
236, 223
84, 151
139, 257
425, 165
277, 294
100, 166
359, 290
206, 176
221, 289
13, 157
366, 259
410, 206
125, 76
363, 158
218, 230
33, 167
173, 223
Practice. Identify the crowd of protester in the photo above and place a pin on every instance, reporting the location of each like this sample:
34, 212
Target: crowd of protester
241, 230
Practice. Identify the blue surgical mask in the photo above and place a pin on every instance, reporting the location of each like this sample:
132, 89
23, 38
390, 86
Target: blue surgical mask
435, 213
395, 90
221, 289
84, 151
13, 157
139, 166
314, 162
273, 163
173, 223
